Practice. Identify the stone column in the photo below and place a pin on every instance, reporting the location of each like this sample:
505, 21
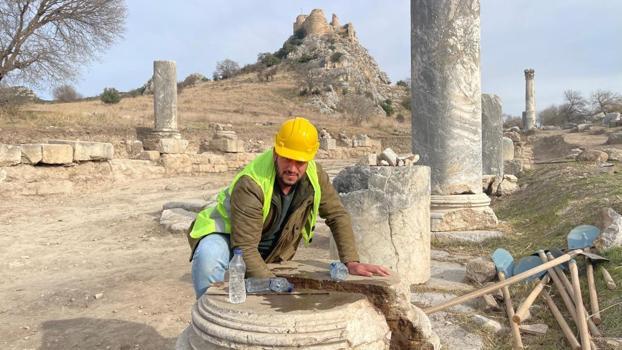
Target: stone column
390, 211
165, 136
446, 110
529, 116
492, 135
165, 97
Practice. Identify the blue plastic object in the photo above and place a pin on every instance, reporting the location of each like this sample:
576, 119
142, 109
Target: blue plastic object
582, 236
504, 262
528, 263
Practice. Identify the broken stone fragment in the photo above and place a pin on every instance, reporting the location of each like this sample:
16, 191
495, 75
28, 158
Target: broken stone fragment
389, 156
481, 270
534, 329
611, 235
32, 153
486, 323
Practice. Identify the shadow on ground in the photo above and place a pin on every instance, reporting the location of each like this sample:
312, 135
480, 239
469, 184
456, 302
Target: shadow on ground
91, 333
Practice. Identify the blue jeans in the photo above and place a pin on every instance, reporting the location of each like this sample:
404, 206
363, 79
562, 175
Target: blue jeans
210, 261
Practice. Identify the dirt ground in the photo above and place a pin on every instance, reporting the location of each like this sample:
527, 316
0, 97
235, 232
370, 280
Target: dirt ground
95, 270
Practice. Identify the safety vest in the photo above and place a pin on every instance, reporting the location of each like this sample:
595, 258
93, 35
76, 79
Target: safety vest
262, 171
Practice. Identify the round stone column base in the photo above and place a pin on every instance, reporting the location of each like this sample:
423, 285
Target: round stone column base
311, 320
463, 212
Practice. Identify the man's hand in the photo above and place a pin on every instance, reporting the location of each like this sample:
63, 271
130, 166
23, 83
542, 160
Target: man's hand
368, 270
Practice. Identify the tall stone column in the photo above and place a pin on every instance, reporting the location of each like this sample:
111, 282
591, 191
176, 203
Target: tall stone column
529, 116
165, 97
165, 136
492, 135
446, 110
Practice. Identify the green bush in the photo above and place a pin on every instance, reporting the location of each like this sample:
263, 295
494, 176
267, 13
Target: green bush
110, 96
387, 106
305, 58
268, 59
336, 57
406, 102
402, 83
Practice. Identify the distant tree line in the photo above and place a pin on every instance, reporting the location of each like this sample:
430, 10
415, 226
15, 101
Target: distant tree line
579, 109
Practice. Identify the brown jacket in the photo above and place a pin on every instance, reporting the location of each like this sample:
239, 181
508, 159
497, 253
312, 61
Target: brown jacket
248, 227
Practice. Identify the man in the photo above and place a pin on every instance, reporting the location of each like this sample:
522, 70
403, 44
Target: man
268, 208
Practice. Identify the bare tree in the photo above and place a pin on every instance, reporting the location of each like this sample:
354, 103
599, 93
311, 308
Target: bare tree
48, 40
226, 69
605, 101
65, 93
575, 108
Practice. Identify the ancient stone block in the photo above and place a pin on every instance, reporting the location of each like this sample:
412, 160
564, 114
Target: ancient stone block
611, 119
328, 144
88, 151
173, 146
389, 156
465, 219
492, 135
227, 145
57, 154
177, 163
10, 155
134, 148
32, 153
390, 210
149, 155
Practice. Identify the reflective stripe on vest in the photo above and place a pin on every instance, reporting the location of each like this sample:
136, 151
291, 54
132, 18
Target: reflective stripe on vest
262, 171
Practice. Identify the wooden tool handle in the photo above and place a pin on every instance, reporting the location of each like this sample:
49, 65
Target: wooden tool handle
491, 287
523, 309
593, 294
583, 332
517, 341
572, 340
610, 282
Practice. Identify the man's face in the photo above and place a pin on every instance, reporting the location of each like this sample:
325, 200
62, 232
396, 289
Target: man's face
289, 171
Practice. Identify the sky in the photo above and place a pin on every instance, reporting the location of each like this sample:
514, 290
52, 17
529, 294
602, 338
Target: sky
571, 44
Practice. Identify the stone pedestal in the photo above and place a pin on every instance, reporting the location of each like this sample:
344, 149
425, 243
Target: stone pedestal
358, 313
529, 115
492, 135
446, 99
390, 211
465, 212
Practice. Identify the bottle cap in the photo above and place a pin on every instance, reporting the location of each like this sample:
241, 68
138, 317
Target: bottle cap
237, 251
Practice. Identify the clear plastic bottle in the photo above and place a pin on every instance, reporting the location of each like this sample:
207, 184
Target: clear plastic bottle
237, 270
338, 271
268, 285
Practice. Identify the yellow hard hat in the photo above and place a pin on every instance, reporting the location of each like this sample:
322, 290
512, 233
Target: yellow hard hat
297, 139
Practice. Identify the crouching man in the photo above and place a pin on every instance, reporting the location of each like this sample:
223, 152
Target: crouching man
271, 205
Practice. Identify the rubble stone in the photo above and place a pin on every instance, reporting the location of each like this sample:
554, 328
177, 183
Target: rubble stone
328, 144
390, 210
593, 155
481, 270
615, 138
486, 323
513, 167
370, 159
177, 220
390, 156
189, 205
508, 149
611, 226
57, 154
10, 155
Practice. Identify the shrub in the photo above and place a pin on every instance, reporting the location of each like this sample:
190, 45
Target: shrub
400, 118
268, 59
357, 108
110, 96
336, 57
65, 93
403, 83
387, 107
305, 58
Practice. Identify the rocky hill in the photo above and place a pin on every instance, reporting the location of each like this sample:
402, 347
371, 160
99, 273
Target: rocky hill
333, 68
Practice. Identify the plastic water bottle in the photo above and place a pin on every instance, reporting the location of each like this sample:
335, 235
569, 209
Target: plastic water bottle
338, 271
268, 285
237, 270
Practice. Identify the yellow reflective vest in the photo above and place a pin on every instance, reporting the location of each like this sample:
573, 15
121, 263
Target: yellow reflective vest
262, 171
